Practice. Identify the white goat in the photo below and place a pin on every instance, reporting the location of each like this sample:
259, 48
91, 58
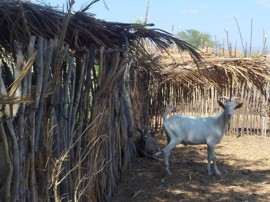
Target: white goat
186, 130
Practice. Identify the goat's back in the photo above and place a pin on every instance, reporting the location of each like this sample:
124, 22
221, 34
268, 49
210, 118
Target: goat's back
191, 130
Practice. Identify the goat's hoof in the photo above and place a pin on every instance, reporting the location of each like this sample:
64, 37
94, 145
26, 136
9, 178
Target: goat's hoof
218, 174
168, 172
158, 153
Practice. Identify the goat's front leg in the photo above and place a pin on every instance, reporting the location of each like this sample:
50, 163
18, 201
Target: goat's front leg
213, 157
209, 157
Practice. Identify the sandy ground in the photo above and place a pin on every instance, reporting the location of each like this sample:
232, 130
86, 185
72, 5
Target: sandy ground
243, 161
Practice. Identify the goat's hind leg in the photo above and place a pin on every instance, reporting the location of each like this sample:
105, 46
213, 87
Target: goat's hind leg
166, 154
215, 163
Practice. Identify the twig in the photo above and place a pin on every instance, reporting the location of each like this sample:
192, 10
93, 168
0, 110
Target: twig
245, 52
250, 42
138, 192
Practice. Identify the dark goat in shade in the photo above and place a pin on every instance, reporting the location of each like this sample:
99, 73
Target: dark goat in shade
146, 144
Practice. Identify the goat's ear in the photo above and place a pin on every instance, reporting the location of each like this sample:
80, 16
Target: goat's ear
152, 133
138, 129
238, 106
221, 104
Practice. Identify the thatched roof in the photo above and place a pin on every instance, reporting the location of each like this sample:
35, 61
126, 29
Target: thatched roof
217, 71
82, 29
79, 29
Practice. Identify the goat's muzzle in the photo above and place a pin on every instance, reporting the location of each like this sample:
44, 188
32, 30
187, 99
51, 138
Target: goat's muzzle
159, 151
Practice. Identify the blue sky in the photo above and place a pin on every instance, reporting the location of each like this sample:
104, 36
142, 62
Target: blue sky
208, 16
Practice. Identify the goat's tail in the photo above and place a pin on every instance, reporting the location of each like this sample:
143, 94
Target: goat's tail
167, 111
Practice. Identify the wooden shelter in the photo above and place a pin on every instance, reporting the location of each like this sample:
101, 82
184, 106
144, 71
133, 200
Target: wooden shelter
195, 92
73, 89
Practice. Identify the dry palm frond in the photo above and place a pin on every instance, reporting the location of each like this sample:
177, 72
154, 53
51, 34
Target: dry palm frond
15, 100
24, 71
82, 28
219, 73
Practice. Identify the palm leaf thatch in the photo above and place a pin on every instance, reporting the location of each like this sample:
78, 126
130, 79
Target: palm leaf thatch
25, 19
219, 72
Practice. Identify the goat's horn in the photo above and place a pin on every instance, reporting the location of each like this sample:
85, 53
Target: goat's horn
224, 97
233, 98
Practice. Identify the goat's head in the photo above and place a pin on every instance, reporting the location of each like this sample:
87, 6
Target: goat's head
229, 106
145, 133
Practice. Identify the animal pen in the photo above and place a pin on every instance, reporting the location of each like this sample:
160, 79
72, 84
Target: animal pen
74, 87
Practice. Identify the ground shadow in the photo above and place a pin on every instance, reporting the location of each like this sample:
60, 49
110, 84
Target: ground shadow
242, 179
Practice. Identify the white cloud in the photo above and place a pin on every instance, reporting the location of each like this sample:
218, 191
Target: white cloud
264, 3
193, 10
190, 11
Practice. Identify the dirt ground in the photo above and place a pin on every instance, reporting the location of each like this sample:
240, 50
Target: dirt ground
243, 161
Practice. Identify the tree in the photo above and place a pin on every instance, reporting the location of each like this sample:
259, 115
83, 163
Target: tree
139, 21
196, 38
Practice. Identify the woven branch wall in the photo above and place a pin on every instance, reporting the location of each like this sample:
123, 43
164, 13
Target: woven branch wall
77, 138
201, 100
